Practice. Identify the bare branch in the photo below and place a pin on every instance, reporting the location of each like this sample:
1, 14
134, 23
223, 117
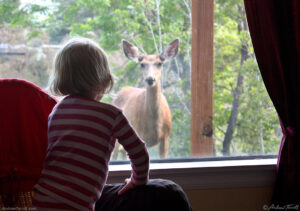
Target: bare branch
167, 85
120, 66
189, 10
217, 127
139, 46
159, 25
151, 30
177, 68
223, 87
182, 103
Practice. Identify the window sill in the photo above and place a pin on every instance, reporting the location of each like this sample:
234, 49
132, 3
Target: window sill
207, 174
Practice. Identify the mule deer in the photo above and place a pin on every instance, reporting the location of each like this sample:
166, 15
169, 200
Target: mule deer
147, 109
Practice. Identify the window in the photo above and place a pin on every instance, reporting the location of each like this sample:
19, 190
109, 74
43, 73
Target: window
245, 121
218, 101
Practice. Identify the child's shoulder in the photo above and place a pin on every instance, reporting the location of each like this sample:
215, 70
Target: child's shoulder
87, 102
111, 107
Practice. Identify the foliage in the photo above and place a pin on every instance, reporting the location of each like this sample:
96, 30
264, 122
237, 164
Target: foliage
257, 126
26, 15
151, 25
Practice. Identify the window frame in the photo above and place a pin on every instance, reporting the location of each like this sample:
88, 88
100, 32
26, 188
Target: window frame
202, 143
199, 174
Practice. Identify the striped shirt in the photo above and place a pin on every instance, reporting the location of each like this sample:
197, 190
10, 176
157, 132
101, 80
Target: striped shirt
81, 136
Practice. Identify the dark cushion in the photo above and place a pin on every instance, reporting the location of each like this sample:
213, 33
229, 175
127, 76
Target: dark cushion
157, 195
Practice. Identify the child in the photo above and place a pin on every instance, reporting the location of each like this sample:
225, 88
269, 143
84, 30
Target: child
82, 133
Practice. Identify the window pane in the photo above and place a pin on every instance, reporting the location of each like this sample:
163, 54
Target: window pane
245, 121
33, 30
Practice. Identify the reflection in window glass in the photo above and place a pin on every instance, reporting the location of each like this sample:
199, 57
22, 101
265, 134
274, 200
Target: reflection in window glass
245, 122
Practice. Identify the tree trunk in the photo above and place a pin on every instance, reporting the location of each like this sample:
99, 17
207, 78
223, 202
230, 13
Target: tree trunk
236, 93
261, 138
233, 115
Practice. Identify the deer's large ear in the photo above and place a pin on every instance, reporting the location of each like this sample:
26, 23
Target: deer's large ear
130, 51
170, 50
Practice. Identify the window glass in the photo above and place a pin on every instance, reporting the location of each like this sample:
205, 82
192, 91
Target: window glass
244, 119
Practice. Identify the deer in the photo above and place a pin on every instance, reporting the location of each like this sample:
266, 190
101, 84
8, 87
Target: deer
147, 109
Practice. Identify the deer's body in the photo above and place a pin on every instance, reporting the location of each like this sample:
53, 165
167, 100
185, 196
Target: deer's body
149, 113
147, 109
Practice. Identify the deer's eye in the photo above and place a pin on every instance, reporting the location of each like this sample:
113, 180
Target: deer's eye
143, 65
158, 64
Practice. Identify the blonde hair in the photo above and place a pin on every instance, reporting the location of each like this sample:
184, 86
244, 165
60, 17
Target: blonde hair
81, 68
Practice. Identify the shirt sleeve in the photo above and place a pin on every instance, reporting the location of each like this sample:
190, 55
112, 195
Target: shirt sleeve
135, 148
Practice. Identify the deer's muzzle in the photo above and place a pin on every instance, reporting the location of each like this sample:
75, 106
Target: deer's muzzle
150, 81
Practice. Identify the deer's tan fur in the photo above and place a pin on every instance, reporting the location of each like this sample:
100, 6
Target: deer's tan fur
147, 109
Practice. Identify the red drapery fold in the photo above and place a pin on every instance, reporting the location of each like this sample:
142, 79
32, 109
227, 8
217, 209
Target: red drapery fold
275, 31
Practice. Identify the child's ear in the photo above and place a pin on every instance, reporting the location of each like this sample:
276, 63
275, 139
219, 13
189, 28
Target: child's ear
131, 52
170, 50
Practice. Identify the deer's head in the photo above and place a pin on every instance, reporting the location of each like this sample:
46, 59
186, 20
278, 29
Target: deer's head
151, 65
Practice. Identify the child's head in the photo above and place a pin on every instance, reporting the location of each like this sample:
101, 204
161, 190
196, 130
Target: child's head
81, 68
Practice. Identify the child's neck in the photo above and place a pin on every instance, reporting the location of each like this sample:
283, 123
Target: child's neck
98, 97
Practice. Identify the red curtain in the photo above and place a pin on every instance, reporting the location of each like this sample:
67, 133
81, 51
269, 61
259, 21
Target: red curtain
275, 31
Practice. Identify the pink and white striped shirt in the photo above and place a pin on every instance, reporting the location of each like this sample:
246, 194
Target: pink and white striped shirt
81, 136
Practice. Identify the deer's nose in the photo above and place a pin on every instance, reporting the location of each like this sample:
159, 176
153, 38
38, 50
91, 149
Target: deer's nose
150, 80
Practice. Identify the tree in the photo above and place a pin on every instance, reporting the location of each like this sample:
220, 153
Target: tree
241, 101
19, 29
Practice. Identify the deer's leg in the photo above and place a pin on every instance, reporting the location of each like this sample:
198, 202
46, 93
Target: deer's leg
116, 151
163, 147
124, 154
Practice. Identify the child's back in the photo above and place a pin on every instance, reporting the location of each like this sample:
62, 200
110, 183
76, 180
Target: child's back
81, 136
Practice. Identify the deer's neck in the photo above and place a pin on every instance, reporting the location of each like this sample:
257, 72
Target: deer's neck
153, 98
